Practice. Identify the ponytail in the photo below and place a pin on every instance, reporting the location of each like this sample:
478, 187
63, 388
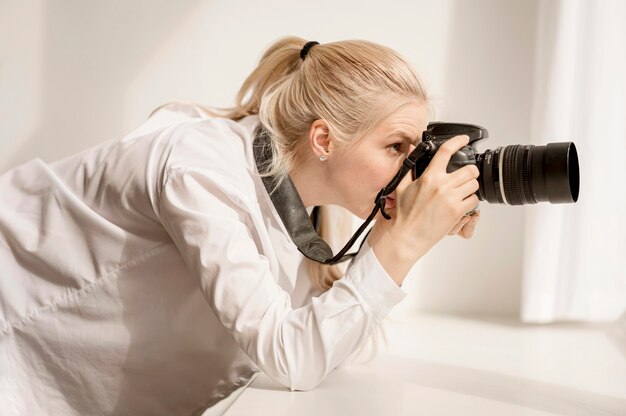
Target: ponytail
353, 85
276, 64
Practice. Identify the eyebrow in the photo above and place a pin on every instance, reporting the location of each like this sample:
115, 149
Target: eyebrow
404, 136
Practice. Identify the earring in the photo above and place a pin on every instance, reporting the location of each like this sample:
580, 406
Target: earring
322, 158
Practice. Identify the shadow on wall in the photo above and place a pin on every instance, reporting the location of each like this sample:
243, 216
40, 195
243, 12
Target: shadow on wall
488, 82
91, 52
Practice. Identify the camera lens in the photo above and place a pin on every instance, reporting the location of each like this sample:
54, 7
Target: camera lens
526, 174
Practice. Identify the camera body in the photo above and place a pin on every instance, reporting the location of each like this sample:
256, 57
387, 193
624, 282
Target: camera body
439, 132
513, 175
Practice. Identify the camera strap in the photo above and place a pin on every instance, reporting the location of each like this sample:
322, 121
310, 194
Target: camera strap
292, 212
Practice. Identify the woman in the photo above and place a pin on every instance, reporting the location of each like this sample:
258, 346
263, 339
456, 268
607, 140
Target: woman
154, 275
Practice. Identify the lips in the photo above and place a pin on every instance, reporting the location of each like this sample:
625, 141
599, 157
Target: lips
390, 202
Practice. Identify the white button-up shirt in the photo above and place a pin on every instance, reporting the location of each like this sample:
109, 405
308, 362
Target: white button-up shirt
152, 275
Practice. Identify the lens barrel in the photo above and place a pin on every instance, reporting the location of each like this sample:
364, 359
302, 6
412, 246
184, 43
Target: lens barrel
526, 174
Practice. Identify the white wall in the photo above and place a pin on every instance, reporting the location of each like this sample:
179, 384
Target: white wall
74, 73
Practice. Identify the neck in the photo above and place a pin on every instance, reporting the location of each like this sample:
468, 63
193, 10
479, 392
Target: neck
311, 183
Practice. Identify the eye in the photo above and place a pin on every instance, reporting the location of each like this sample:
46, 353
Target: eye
396, 147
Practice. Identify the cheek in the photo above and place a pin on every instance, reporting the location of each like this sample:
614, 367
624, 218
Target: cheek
371, 176
382, 172
367, 175
357, 172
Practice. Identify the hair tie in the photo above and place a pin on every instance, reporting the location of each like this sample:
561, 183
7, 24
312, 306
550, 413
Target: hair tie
306, 47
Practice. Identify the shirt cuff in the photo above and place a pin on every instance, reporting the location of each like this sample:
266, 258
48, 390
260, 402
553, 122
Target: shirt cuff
373, 283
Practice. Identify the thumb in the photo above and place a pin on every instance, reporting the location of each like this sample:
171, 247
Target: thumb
404, 183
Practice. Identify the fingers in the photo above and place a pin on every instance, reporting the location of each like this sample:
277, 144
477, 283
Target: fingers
404, 183
469, 204
463, 175
444, 153
468, 188
466, 226
467, 231
459, 225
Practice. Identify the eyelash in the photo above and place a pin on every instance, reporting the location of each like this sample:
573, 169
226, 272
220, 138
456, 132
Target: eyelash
399, 146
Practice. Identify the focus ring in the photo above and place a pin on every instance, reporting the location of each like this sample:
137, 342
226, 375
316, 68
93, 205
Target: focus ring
512, 160
528, 194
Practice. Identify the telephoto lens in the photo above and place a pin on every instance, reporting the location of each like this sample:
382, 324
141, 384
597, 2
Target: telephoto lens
512, 175
526, 174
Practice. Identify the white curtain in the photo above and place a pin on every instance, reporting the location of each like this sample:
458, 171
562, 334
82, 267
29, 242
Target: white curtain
575, 254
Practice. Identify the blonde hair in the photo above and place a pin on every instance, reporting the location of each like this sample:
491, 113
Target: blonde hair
353, 85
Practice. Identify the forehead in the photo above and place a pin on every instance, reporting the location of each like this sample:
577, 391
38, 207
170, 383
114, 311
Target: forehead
410, 119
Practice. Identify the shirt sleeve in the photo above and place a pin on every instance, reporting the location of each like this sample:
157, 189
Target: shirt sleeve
209, 224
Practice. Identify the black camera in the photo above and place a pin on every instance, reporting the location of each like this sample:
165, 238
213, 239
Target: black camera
513, 175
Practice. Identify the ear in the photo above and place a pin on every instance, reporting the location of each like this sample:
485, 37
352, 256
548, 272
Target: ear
320, 138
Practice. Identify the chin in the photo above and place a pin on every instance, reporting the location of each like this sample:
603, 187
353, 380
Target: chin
364, 212
356, 211
361, 211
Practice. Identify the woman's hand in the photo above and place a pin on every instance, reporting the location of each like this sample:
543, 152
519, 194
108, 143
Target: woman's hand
466, 226
426, 210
